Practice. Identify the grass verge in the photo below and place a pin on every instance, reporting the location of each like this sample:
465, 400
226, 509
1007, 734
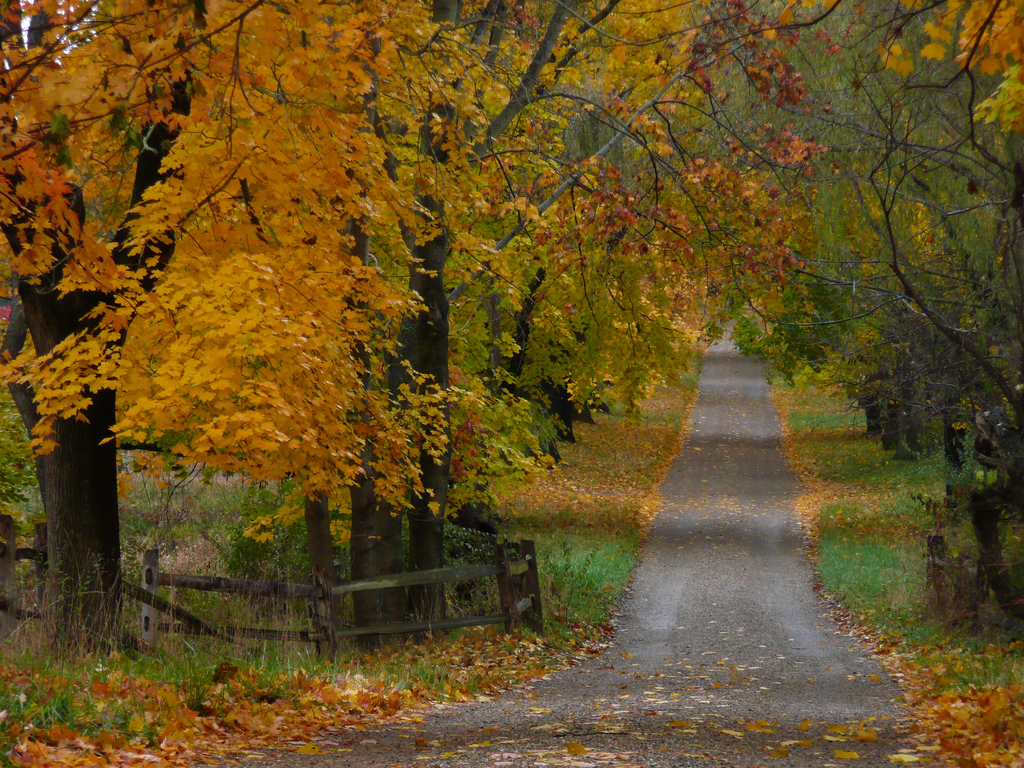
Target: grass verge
868, 528
199, 699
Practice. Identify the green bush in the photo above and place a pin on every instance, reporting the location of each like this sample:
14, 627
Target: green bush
17, 469
283, 558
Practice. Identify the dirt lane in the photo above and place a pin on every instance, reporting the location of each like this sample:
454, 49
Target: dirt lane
723, 655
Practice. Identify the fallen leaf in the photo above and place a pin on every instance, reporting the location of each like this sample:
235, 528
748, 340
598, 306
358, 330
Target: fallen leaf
841, 754
575, 748
310, 749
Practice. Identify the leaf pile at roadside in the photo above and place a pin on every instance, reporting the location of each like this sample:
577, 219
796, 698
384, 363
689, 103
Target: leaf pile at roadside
982, 727
113, 717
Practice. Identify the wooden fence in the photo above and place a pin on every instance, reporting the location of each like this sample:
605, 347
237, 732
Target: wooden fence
514, 568
11, 611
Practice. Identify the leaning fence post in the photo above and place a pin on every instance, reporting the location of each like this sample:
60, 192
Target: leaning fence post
39, 543
8, 576
150, 583
534, 618
506, 592
323, 615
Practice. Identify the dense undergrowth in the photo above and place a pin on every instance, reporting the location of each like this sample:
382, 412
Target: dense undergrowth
868, 517
196, 696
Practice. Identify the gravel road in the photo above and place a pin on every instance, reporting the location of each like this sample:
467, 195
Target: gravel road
724, 655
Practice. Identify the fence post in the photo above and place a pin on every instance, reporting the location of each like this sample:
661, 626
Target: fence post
39, 543
506, 591
534, 618
8, 576
324, 619
151, 584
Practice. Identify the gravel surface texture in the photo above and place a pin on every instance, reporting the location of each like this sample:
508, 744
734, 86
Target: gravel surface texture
724, 655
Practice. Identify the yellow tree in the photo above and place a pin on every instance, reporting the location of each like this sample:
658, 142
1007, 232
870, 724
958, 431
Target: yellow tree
313, 185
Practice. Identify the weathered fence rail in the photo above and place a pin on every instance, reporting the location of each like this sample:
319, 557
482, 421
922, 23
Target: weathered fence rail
11, 610
514, 568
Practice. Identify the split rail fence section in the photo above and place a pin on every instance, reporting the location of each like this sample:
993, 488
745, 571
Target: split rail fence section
514, 568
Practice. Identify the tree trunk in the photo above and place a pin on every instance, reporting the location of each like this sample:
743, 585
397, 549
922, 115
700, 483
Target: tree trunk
78, 478
429, 358
909, 445
376, 551
376, 546
319, 541
986, 505
890, 424
79, 484
872, 415
953, 443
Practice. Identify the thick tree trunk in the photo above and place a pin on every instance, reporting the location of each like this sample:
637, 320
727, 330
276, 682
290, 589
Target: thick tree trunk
429, 358
376, 545
376, 549
79, 483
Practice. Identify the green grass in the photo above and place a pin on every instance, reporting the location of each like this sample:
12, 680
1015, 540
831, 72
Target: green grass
588, 515
871, 550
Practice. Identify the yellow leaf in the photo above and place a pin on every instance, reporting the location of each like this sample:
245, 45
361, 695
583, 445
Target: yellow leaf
990, 65
769, 34
627, 655
780, 752
841, 754
574, 748
679, 724
935, 51
538, 709
866, 735
804, 725
787, 16
905, 758
737, 734
310, 749
801, 743
135, 724
935, 32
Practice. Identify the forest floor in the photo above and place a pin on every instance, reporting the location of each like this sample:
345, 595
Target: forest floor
723, 654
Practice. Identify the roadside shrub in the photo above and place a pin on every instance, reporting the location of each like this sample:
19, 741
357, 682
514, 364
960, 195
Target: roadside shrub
284, 557
17, 469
